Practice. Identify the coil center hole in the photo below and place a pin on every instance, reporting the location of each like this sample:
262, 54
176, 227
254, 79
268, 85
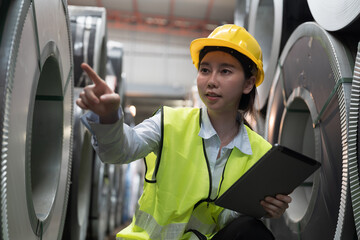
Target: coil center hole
297, 133
46, 138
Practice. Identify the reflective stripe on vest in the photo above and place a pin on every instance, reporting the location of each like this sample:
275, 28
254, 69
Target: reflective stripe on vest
177, 189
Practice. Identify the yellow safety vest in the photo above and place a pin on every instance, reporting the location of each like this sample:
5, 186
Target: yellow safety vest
176, 202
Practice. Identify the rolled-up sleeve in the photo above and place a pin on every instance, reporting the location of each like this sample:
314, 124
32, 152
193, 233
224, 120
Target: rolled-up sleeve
119, 143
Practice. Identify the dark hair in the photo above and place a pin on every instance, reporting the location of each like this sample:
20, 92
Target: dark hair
246, 105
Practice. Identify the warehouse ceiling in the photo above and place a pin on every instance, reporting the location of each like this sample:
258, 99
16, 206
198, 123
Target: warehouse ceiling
184, 17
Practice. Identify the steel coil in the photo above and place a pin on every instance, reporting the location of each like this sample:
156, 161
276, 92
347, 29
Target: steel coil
112, 198
265, 24
99, 201
115, 172
82, 157
115, 53
334, 15
115, 81
115, 179
241, 15
354, 145
36, 118
89, 35
121, 194
308, 112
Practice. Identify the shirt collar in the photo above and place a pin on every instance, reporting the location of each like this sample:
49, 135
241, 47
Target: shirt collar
241, 140
206, 128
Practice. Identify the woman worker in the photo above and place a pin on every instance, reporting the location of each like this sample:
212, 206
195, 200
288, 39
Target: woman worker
194, 154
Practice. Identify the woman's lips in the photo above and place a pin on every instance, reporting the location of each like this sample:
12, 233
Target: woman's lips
212, 96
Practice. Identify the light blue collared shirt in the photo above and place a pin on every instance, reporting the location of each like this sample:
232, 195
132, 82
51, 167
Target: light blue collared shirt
212, 146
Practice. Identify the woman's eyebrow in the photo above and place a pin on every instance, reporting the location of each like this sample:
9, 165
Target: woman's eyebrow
227, 65
221, 65
204, 63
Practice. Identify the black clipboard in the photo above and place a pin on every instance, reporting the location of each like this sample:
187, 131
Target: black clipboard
280, 170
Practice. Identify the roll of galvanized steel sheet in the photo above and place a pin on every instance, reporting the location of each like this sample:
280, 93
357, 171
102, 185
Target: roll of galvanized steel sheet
265, 24
334, 15
36, 101
77, 217
308, 112
112, 198
89, 36
115, 53
99, 201
115, 179
121, 194
271, 22
241, 15
354, 146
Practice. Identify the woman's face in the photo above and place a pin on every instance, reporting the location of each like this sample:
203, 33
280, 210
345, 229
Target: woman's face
221, 82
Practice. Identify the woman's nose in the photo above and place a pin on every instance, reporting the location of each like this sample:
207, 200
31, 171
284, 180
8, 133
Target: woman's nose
213, 81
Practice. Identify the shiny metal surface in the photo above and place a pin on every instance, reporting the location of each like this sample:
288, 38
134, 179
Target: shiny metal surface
77, 216
297, 133
115, 54
36, 106
265, 24
354, 145
241, 15
311, 64
88, 27
89, 34
121, 194
100, 200
334, 15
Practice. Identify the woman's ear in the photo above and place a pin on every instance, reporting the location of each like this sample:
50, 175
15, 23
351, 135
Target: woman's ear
249, 84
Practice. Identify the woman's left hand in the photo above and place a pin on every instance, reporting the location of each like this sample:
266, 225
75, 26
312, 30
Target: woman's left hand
275, 207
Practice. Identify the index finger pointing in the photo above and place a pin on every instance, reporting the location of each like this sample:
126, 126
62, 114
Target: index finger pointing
92, 74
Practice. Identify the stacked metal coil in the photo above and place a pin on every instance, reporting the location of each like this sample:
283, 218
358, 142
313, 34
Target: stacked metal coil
335, 15
265, 24
308, 111
241, 14
120, 189
116, 188
77, 217
89, 35
115, 80
271, 22
115, 54
36, 101
354, 146
99, 201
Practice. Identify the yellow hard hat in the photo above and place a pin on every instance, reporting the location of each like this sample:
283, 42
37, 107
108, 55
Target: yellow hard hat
235, 37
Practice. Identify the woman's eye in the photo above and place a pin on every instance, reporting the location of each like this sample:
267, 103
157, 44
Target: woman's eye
204, 70
225, 71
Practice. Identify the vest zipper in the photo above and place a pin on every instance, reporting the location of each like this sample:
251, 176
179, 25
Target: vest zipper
210, 177
161, 144
208, 199
222, 178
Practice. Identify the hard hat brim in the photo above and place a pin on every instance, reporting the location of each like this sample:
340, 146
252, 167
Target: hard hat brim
198, 44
